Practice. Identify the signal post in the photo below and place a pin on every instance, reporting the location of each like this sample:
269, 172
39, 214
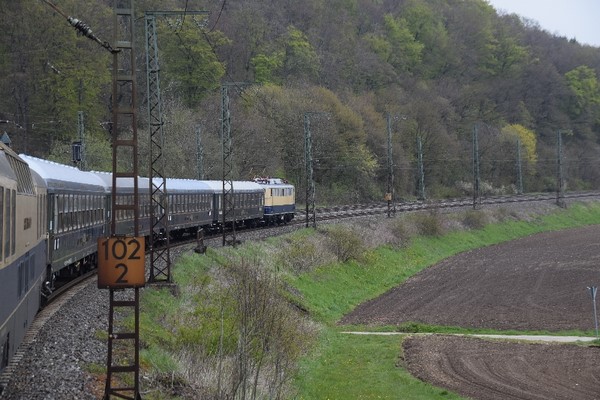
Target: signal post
121, 259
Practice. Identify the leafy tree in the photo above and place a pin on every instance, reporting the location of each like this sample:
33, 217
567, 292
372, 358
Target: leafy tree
426, 23
189, 61
266, 67
583, 82
300, 57
51, 74
398, 46
503, 54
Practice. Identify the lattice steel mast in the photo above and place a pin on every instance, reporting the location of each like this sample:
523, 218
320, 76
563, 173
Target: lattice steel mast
160, 256
227, 170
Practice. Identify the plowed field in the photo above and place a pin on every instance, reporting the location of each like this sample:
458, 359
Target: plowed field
536, 283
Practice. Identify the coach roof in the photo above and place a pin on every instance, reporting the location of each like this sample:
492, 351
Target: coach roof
63, 176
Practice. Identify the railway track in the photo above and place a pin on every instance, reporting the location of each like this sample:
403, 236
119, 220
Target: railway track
349, 211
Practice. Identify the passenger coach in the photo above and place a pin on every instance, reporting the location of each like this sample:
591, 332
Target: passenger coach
22, 249
77, 211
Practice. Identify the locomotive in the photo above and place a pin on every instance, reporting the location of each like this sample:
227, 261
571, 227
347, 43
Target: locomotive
51, 216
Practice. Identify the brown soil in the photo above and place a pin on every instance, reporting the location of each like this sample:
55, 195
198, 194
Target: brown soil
483, 369
536, 283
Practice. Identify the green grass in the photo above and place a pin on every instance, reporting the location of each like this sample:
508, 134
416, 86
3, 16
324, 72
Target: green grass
361, 367
367, 367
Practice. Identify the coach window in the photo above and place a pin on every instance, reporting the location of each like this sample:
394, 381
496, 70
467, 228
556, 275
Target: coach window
93, 210
7, 223
90, 210
100, 210
130, 212
87, 213
44, 210
65, 213
62, 214
39, 214
74, 211
146, 206
67, 216
72, 217
1, 218
56, 213
69, 221
13, 224
77, 209
83, 211
66, 207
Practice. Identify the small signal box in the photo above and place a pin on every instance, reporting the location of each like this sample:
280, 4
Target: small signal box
121, 262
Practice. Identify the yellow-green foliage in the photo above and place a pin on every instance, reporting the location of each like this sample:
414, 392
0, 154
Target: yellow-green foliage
527, 138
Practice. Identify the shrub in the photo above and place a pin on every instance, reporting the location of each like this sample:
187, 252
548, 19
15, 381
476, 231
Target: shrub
302, 252
401, 233
475, 219
429, 224
345, 243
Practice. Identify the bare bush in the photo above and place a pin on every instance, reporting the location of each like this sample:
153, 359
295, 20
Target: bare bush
345, 243
475, 219
303, 254
271, 335
429, 224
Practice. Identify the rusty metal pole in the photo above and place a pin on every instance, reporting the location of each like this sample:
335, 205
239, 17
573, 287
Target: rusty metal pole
124, 168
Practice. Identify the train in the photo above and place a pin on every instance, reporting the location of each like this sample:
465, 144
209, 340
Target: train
52, 214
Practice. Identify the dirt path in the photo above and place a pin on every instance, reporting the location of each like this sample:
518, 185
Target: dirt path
536, 283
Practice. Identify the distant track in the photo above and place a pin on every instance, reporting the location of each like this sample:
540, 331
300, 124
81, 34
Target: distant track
358, 210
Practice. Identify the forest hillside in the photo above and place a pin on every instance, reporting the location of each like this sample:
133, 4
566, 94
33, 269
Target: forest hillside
432, 74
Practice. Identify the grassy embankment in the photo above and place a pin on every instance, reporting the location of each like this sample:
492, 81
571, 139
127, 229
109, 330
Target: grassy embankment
183, 332
367, 367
